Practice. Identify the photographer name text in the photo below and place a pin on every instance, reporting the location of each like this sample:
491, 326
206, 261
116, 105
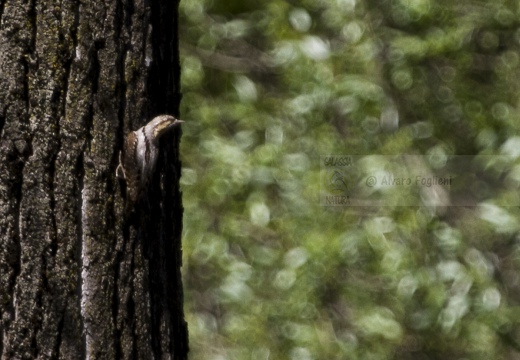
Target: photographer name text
418, 180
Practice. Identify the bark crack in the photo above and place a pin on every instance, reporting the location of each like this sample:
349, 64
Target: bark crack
38, 322
115, 303
95, 67
59, 338
121, 86
52, 201
25, 85
81, 216
131, 303
3, 111
2, 6
32, 14
67, 67
17, 266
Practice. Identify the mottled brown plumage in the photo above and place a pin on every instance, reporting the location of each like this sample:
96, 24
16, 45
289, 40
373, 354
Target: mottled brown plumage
139, 156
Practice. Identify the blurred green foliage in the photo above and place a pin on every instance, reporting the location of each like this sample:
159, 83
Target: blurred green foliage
269, 86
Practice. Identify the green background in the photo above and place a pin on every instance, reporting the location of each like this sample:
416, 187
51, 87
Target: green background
269, 87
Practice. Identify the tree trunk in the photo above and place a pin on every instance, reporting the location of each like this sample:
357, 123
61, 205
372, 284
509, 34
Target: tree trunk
79, 278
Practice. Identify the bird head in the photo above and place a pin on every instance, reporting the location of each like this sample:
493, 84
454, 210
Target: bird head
162, 123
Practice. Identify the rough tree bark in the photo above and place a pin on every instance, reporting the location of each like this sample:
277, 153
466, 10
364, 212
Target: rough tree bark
78, 279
